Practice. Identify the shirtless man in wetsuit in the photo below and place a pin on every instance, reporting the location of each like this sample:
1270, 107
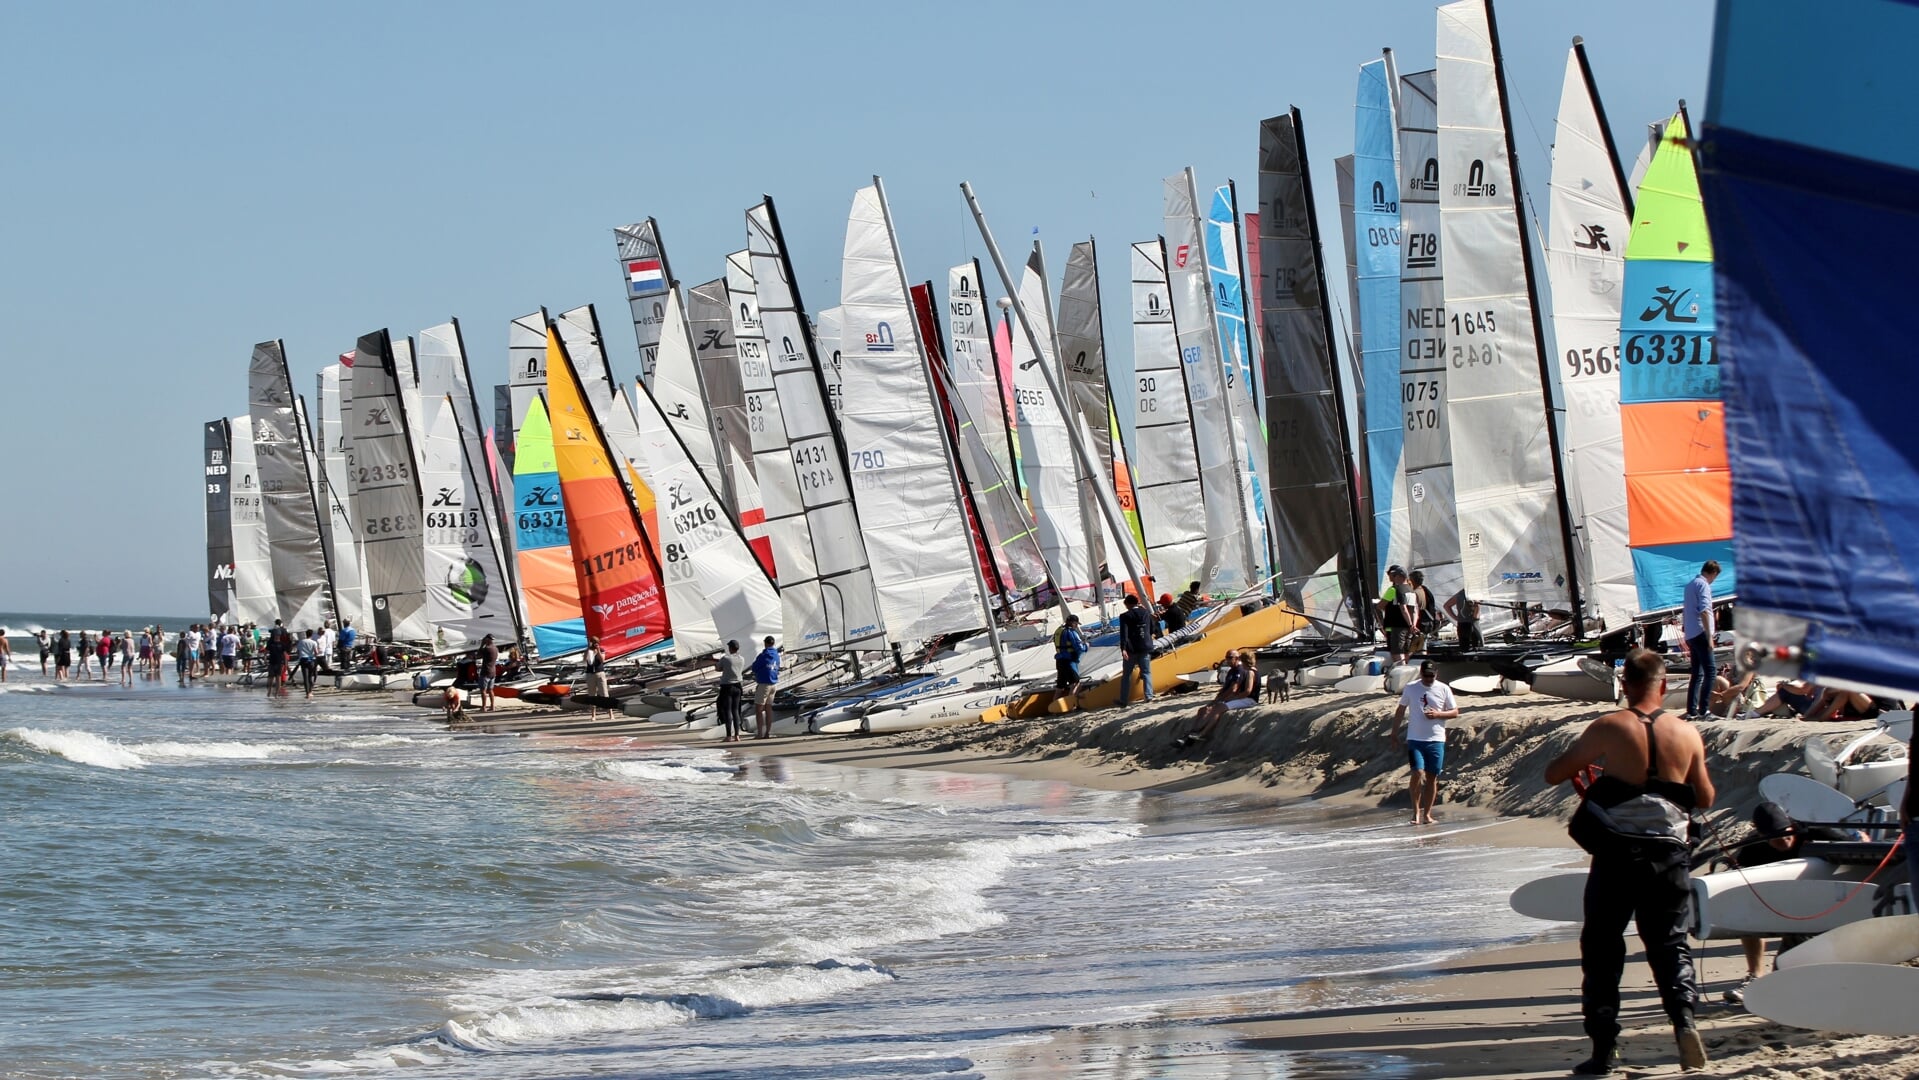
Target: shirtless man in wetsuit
1657, 897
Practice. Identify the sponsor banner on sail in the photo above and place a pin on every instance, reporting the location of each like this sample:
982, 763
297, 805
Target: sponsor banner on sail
1431, 536
219, 476
1374, 250
1678, 480
300, 577
618, 581
1229, 559
1585, 264
826, 585
648, 283
387, 481
902, 476
1811, 211
1307, 452
1172, 514
1045, 446
253, 597
1512, 545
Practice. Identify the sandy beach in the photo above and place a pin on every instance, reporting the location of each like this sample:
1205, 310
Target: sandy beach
1511, 1012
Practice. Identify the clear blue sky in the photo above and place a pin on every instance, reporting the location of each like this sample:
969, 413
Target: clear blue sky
182, 180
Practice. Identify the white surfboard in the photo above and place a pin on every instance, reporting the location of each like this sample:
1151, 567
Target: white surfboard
1776, 908
1558, 898
1805, 799
1890, 939
1324, 674
669, 717
1857, 999
1476, 684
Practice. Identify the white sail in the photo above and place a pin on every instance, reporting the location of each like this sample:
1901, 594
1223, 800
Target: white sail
1046, 449
677, 387
1428, 520
741, 435
284, 470
343, 551
1166, 485
716, 590
466, 594
387, 478
1240, 360
917, 540
826, 587
975, 370
1229, 557
254, 601
826, 339
1511, 545
1586, 266
1082, 345
526, 363
649, 281
443, 373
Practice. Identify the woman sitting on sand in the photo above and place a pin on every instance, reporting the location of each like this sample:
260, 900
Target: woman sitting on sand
1235, 692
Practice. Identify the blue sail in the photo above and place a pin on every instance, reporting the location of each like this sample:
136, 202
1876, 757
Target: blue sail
1376, 236
1812, 190
1229, 308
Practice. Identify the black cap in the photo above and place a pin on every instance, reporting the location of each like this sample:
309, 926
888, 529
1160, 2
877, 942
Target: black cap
1394, 569
1771, 820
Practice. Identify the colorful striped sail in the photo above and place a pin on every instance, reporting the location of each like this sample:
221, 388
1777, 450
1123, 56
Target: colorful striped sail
618, 579
1373, 249
547, 581
1678, 483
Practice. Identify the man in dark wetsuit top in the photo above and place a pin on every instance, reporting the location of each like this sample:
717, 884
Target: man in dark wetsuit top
1638, 743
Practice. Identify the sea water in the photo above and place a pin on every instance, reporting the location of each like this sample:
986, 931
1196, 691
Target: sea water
206, 882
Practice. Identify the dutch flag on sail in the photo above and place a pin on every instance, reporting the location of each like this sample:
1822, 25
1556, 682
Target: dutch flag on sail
645, 277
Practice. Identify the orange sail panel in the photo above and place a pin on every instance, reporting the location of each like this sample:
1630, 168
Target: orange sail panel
619, 580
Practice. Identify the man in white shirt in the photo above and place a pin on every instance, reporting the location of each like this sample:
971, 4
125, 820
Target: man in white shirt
1429, 704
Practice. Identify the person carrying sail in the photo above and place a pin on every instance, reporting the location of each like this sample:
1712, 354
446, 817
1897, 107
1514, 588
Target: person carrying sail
1655, 777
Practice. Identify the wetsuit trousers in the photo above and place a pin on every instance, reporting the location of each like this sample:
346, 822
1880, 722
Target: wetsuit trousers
1699, 693
729, 705
1660, 903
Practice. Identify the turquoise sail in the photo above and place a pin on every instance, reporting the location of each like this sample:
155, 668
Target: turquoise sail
1235, 350
1376, 238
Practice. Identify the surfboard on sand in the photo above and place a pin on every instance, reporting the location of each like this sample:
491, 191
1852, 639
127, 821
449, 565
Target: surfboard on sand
1773, 908
1556, 898
1857, 999
1890, 939
1262, 627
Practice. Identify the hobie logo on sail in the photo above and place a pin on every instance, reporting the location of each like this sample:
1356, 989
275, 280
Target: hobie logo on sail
879, 340
1592, 238
1666, 304
715, 339
541, 495
447, 497
378, 416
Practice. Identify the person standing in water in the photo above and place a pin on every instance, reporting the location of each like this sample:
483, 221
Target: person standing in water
126, 658
732, 669
1424, 707
6, 654
1659, 759
595, 674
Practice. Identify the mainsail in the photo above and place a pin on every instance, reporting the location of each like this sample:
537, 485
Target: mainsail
1426, 452
1082, 347
466, 592
1230, 559
1374, 251
386, 479
903, 477
676, 387
619, 584
975, 367
343, 544
219, 477
1172, 515
444, 374
1678, 484
1240, 359
1811, 199
711, 314
1513, 542
253, 598
826, 340
300, 576
526, 366
1585, 264
649, 281
1046, 452
1310, 448
548, 584
826, 587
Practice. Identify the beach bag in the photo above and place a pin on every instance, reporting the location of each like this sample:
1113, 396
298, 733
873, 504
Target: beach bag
1652, 824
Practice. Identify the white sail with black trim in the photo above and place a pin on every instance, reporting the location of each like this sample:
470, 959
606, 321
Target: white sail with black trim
386, 478
280, 445
254, 601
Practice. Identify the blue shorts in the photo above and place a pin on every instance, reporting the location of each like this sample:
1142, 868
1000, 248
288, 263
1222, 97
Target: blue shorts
1426, 757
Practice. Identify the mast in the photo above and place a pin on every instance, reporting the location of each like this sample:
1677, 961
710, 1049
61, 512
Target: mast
1364, 593
1539, 340
1108, 506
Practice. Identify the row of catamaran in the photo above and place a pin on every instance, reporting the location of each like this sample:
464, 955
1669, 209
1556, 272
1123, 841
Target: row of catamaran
873, 479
